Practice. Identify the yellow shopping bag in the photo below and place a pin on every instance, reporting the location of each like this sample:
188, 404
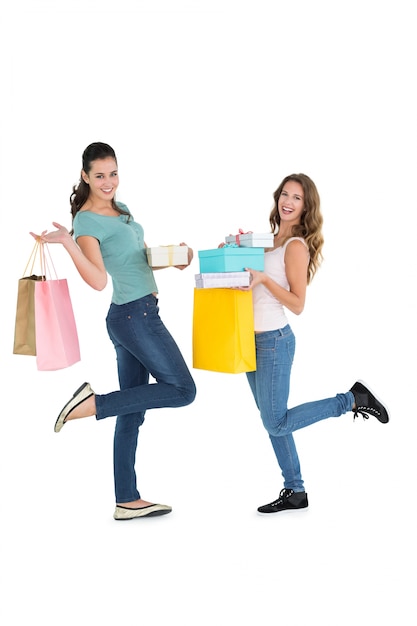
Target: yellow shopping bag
223, 331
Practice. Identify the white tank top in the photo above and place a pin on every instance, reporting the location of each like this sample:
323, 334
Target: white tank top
269, 313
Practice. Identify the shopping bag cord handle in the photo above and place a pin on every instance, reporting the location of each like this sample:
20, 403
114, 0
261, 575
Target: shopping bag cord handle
45, 267
32, 258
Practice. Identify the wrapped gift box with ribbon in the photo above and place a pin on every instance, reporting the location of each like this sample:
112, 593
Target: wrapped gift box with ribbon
231, 258
222, 279
165, 256
251, 240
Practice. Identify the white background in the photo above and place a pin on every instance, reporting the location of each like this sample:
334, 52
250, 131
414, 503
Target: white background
208, 106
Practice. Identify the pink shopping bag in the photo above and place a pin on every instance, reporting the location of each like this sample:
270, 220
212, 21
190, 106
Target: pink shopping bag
57, 344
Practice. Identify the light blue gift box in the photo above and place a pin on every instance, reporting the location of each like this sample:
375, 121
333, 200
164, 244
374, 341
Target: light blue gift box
231, 259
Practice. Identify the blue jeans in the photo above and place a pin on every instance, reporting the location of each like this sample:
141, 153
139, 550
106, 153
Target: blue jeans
144, 348
270, 385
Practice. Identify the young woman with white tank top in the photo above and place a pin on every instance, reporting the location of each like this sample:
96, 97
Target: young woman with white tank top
296, 222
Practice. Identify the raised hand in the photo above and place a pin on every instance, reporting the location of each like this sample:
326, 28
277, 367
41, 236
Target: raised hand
55, 236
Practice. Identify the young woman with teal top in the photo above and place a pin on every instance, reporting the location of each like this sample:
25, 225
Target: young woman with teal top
106, 240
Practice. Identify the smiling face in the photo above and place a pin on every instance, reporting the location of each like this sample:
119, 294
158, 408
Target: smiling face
103, 179
291, 203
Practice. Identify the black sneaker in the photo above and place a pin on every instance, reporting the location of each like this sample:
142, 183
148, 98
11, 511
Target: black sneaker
367, 404
288, 500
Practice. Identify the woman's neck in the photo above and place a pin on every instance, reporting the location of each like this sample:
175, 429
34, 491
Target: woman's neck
282, 235
102, 208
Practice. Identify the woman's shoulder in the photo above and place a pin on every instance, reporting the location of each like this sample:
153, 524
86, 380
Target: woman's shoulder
80, 215
292, 239
85, 217
295, 246
123, 206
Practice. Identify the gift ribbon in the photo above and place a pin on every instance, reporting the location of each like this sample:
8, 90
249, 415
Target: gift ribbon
170, 253
241, 232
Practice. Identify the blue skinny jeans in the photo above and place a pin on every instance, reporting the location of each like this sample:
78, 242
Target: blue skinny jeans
144, 348
270, 385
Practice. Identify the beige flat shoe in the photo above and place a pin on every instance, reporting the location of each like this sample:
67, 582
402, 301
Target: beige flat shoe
79, 396
124, 513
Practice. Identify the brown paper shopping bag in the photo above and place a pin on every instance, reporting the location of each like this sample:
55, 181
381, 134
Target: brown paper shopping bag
24, 333
223, 330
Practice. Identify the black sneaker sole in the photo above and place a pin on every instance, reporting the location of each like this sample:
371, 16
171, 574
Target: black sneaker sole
301, 508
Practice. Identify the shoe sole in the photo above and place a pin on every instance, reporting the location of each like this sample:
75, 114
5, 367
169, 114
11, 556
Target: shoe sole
362, 382
302, 508
147, 511
77, 398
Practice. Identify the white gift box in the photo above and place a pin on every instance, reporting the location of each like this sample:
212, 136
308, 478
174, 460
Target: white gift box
165, 256
222, 279
252, 240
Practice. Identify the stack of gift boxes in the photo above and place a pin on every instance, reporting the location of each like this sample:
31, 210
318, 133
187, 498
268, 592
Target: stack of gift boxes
223, 319
225, 266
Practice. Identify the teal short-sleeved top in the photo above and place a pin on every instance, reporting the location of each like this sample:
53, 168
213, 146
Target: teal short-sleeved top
123, 250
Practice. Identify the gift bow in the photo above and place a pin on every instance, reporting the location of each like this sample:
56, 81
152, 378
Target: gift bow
241, 232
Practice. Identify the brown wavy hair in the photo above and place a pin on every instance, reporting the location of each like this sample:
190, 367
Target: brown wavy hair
310, 227
80, 192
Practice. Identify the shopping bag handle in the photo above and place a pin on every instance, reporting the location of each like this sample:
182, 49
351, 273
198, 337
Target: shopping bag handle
45, 263
32, 258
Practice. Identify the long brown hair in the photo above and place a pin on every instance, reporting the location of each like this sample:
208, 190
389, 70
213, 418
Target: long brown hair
80, 192
310, 227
